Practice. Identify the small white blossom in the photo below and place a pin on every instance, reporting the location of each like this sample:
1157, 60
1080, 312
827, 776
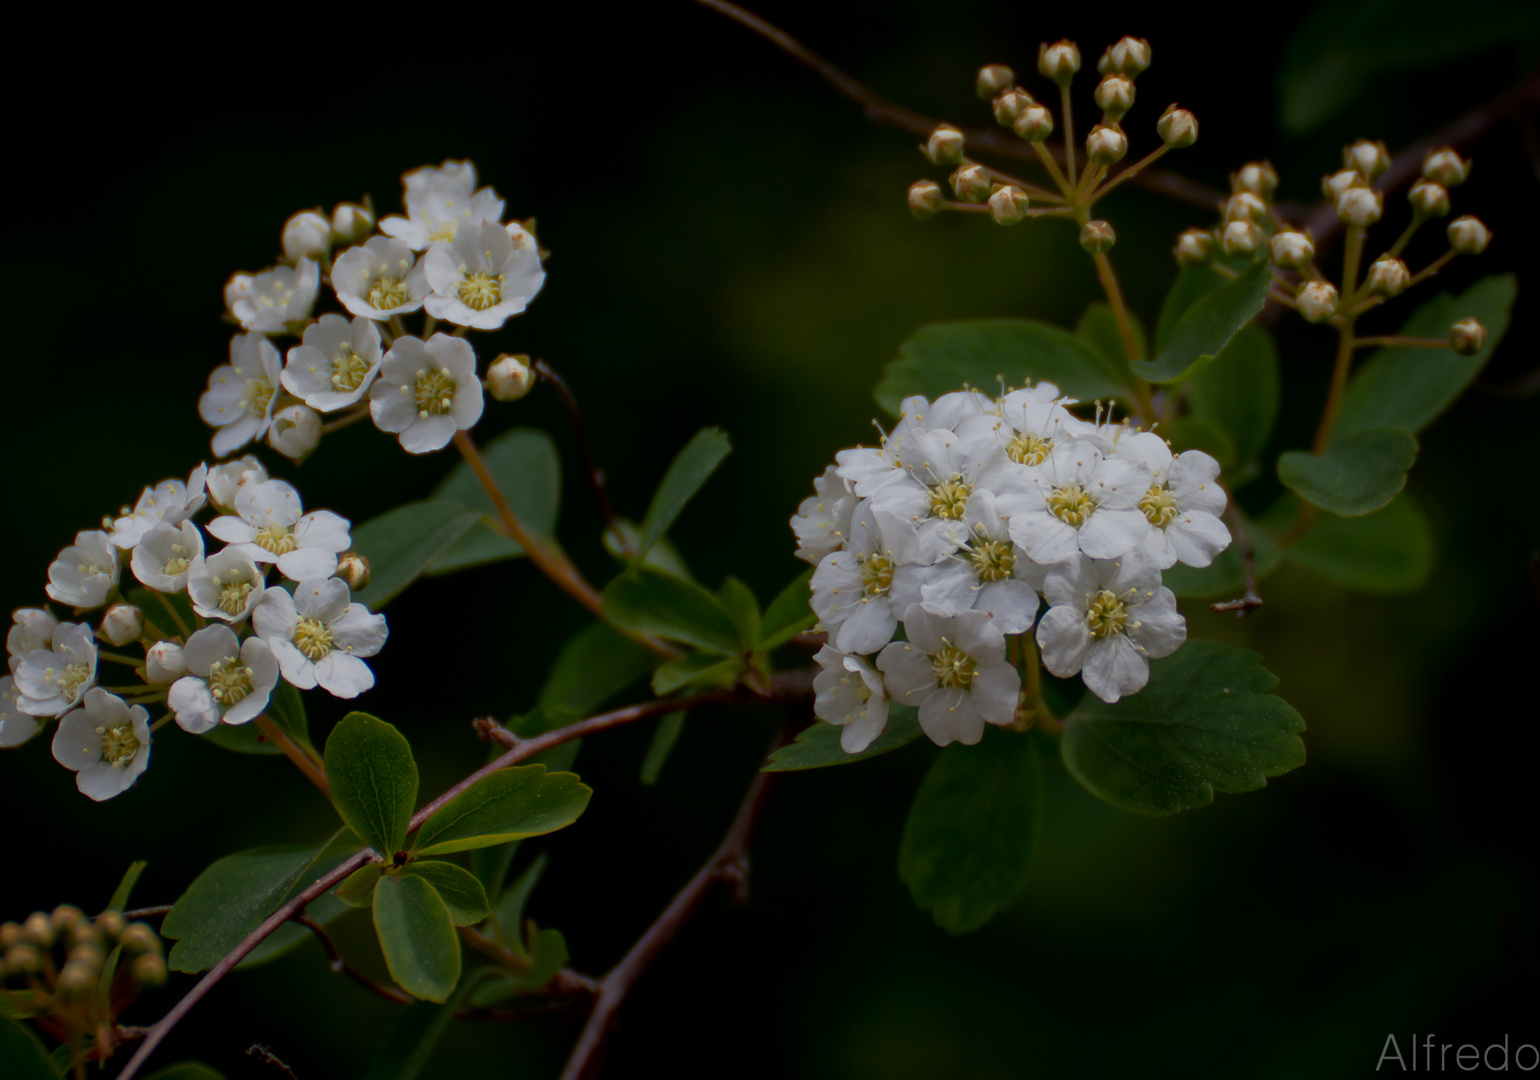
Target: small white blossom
165, 556
319, 637
33, 629
336, 363
169, 501
16, 727
487, 274
849, 692
870, 469
1080, 501
164, 663
438, 209
822, 522
852, 587
1029, 423
954, 669
227, 679
239, 400
456, 174
943, 468
426, 391
225, 586
306, 235
273, 528
85, 572
1182, 504
52, 680
269, 301
226, 479
296, 431
106, 744
123, 624
379, 280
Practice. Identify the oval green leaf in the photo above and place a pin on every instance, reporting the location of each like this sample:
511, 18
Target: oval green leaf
373, 780
528, 473
402, 543
1098, 328
508, 919
690, 469
511, 804
357, 890
1355, 476
818, 744
1385, 554
417, 937
1207, 327
22, 1053
463, 896
649, 601
1238, 393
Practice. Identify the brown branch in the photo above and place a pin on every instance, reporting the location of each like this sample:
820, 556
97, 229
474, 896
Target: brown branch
295, 753
729, 864
341, 966
585, 451
155, 912
1253, 599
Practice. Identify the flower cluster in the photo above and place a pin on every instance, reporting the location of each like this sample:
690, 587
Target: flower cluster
972, 515
230, 631
450, 257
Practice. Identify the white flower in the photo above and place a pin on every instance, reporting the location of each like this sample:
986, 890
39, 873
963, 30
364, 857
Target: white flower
164, 663
943, 469
52, 680
457, 174
85, 572
226, 679
225, 586
1183, 503
296, 431
989, 573
852, 587
870, 469
1079, 501
1029, 422
950, 410
437, 211
319, 637
271, 300
169, 501
16, 727
336, 363
270, 529
954, 669
486, 275
239, 400
225, 480
1107, 618
165, 556
106, 744
822, 522
305, 235
850, 692
33, 629
380, 279
426, 391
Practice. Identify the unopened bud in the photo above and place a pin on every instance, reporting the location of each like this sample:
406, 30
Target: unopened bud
1128, 57
1334, 185
1194, 247
138, 939
1115, 96
306, 235
945, 145
1177, 127
1034, 124
1244, 206
351, 223
122, 624
1257, 177
164, 663
1009, 105
1242, 238
510, 378
1317, 300
1388, 277
1468, 236
38, 929
926, 199
111, 924
992, 79
296, 431
1429, 199
971, 183
1059, 62
1369, 159
1106, 144
77, 979
1467, 336
353, 568
148, 970
1446, 167
10, 934
1097, 237
66, 917
83, 933
1008, 205
1359, 207
87, 952
1292, 250
23, 958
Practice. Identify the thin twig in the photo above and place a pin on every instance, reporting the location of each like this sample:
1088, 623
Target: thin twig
1253, 599
274, 734
341, 966
585, 450
155, 912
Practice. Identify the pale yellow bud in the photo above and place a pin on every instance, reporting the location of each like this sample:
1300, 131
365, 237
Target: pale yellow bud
1429, 199
1194, 247
992, 80
1034, 124
148, 970
971, 183
1106, 144
77, 979
1177, 127
351, 223
1359, 207
1245, 206
1292, 250
66, 917
23, 958
306, 235
1317, 300
1388, 277
1059, 62
1008, 205
353, 568
1468, 236
1467, 337
10, 934
1115, 96
122, 624
138, 939
509, 377
1446, 167
38, 929
925, 199
1257, 177
945, 145
1097, 237
1128, 57
1334, 185
1369, 159
1242, 238
1009, 105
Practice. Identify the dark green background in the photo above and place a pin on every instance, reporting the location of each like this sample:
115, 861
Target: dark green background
730, 246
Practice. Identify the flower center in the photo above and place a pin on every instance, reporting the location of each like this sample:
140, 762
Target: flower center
387, 293
952, 666
119, 744
876, 574
348, 368
279, 539
435, 392
257, 396
444, 230
229, 681
313, 638
480, 291
1028, 449
1071, 504
993, 560
1159, 505
233, 595
69, 682
179, 562
949, 499
1106, 614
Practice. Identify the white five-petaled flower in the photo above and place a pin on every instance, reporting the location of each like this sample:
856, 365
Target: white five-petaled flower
1029, 423
52, 680
943, 469
426, 391
954, 669
239, 400
226, 479
270, 528
106, 743
227, 679
165, 555
170, 501
1079, 501
16, 727
869, 469
852, 587
849, 692
33, 629
1183, 503
85, 572
336, 363
319, 637
269, 301
379, 280
822, 522
225, 586
436, 211
1108, 618
487, 274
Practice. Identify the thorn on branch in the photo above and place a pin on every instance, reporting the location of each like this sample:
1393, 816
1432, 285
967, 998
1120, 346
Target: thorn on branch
257, 1050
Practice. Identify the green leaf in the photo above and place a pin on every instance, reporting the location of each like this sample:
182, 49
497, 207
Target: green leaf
414, 1031
1386, 553
818, 744
109, 972
694, 465
649, 601
125, 887
1406, 387
462, 894
790, 613
664, 736
22, 1053
1355, 476
1098, 328
1239, 394
739, 601
490, 865
538, 721
511, 804
373, 780
594, 666
547, 952
967, 843
1191, 285
1207, 326
357, 889
662, 554
946, 356
509, 916
154, 604
187, 1070
528, 473
322, 910
402, 543
417, 936
696, 670
1225, 577
1205, 723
